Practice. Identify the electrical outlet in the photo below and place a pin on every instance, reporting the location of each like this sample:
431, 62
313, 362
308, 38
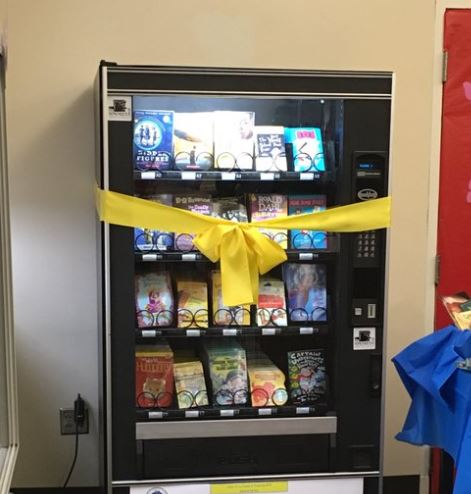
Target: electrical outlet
67, 422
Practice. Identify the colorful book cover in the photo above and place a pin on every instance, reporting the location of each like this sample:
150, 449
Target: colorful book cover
271, 307
227, 364
192, 304
270, 154
193, 140
307, 239
154, 376
190, 384
267, 382
230, 208
307, 376
234, 139
201, 204
307, 148
146, 240
266, 207
153, 139
458, 308
223, 315
307, 292
154, 299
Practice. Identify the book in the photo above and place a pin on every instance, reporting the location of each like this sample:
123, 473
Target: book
223, 315
270, 154
227, 365
267, 382
192, 304
193, 140
458, 307
306, 148
153, 139
154, 376
307, 239
230, 208
307, 376
190, 384
271, 306
154, 299
268, 206
307, 292
234, 139
147, 240
201, 204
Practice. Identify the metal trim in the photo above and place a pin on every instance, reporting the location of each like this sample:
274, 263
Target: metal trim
290, 476
238, 427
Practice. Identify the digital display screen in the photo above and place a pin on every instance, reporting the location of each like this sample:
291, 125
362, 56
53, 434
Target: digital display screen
367, 166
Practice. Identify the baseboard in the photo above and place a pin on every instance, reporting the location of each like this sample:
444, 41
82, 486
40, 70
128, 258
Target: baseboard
405, 484
56, 490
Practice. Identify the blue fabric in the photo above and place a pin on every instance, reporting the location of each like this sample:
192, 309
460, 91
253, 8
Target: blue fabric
440, 412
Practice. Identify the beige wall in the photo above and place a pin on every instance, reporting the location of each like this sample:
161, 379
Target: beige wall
54, 50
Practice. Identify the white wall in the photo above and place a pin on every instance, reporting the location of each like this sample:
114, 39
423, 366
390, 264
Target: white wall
54, 50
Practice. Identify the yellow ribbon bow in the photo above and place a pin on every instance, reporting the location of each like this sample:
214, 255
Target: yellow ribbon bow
242, 250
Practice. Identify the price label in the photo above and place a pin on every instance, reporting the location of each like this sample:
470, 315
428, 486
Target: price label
193, 332
148, 175
229, 332
149, 257
148, 333
268, 331
250, 488
267, 176
188, 257
156, 415
306, 256
302, 410
264, 411
306, 176
227, 413
228, 176
306, 330
191, 414
188, 175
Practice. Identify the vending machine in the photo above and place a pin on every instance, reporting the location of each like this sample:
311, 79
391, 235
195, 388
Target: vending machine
283, 395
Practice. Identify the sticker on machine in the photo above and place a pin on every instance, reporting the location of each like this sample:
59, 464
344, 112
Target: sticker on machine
364, 338
120, 108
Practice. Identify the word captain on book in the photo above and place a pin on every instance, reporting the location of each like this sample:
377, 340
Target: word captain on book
242, 250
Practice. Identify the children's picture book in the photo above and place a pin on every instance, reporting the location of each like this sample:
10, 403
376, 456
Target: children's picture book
227, 365
268, 206
307, 239
458, 307
153, 139
230, 208
270, 153
267, 382
306, 147
234, 139
201, 204
271, 307
190, 384
146, 240
307, 376
307, 291
192, 304
154, 299
223, 315
193, 140
154, 376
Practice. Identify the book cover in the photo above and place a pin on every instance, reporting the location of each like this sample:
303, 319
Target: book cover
307, 148
271, 307
270, 154
146, 240
307, 376
193, 140
307, 292
153, 139
230, 208
192, 304
224, 315
458, 308
268, 206
307, 239
227, 364
234, 139
154, 299
201, 204
267, 382
154, 376
190, 384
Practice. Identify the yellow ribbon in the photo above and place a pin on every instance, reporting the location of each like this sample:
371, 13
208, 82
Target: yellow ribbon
241, 249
